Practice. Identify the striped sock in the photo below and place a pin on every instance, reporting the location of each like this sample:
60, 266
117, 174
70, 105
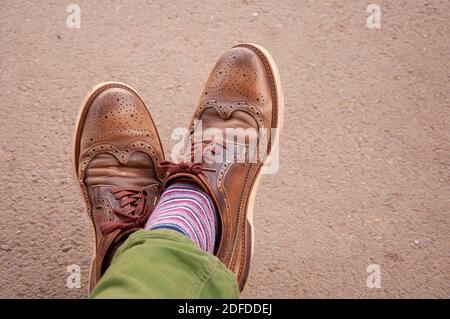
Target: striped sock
184, 207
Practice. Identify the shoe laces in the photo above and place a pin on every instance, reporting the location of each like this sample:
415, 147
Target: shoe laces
187, 165
133, 212
184, 167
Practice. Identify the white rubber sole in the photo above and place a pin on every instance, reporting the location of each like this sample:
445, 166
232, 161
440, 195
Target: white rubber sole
280, 122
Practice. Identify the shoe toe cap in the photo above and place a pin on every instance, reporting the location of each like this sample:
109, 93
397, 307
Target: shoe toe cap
239, 75
116, 115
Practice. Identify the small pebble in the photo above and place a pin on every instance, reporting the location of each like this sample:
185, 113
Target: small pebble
85, 260
65, 249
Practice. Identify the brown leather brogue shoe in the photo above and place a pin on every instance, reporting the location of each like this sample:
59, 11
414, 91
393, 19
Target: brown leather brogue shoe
116, 153
242, 95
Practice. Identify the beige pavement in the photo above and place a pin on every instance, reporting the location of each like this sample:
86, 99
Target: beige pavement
364, 176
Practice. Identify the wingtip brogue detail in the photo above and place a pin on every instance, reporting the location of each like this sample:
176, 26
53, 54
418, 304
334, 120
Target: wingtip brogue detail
116, 156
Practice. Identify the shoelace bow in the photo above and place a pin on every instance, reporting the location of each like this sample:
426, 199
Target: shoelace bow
183, 167
135, 208
187, 166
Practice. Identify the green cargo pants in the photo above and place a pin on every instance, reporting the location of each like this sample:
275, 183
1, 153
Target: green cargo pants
165, 264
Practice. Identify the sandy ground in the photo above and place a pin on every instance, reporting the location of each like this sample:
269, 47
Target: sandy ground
364, 175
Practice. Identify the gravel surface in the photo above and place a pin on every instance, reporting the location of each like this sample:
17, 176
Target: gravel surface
364, 172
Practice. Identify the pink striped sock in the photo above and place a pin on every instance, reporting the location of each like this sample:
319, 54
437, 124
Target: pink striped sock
184, 207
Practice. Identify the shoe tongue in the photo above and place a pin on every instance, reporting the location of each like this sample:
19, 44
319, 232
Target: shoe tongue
105, 169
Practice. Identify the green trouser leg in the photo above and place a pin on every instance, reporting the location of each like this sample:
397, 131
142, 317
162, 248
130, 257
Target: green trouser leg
165, 264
